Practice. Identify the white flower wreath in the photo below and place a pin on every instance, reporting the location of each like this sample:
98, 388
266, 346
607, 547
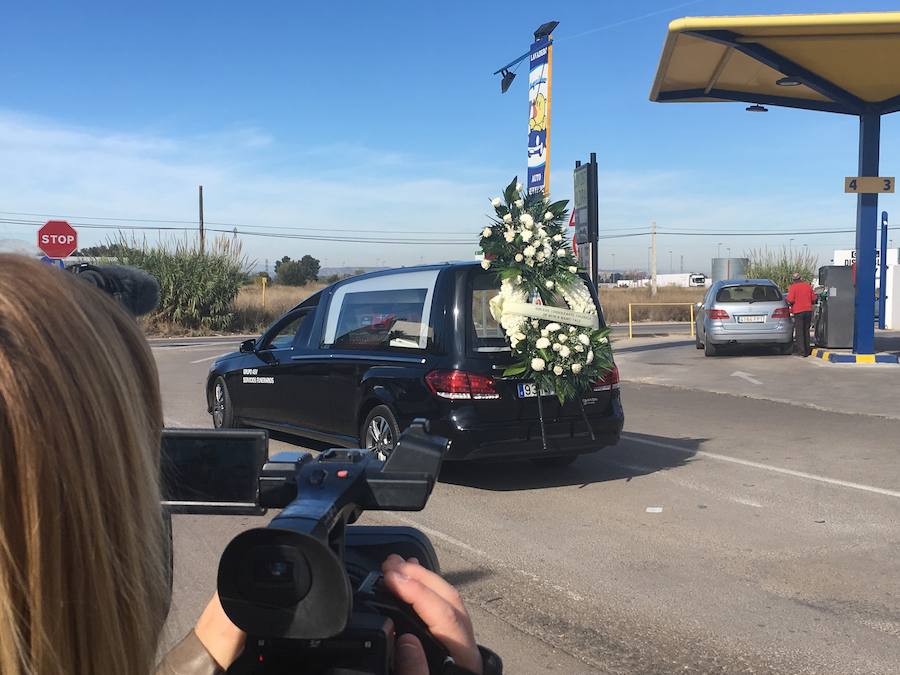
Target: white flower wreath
563, 349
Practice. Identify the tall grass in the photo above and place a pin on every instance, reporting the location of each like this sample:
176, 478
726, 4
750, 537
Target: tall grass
615, 303
196, 291
251, 316
778, 265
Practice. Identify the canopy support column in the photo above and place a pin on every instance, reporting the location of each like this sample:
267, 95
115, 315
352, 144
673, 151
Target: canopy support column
866, 236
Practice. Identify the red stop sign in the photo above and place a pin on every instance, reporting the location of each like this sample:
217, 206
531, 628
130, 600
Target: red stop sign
57, 239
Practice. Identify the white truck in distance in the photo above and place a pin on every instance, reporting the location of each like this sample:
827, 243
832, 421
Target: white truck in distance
684, 280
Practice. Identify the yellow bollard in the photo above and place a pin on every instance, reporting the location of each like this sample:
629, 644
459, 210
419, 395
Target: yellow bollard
692, 320
264, 284
629, 321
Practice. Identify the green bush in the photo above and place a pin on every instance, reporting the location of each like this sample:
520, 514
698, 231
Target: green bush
779, 265
296, 272
196, 291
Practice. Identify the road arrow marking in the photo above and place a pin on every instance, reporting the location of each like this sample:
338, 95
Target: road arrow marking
745, 376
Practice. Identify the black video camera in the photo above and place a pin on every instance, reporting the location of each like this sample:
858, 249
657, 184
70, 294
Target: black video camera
308, 589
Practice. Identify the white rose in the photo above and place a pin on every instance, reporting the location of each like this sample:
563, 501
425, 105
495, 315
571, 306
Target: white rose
579, 349
519, 336
548, 284
573, 269
520, 203
542, 343
519, 257
495, 202
509, 236
584, 339
576, 368
571, 329
537, 365
527, 235
561, 253
507, 218
541, 256
553, 327
558, 370
544, 332
529, 252
487, 232
557, 237
526, 220
486, 264
548, 216
529, 262
518, 281
518, 187
564, 352
590, 356
556, 346
562, 337
534, 322
513, 342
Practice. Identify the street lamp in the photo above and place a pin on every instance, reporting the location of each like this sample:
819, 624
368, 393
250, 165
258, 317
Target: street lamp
544, 30
790, 245
719, 250
728, 250
671, 267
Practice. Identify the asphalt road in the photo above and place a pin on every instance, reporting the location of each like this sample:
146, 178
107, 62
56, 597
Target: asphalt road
726, 533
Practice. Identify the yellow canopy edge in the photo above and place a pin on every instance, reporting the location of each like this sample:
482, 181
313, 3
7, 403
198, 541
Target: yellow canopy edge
741, 57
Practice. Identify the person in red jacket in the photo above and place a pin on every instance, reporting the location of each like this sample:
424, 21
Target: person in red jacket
800, 297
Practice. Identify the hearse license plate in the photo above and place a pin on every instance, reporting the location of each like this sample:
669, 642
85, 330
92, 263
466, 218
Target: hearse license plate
756, 318
529, 390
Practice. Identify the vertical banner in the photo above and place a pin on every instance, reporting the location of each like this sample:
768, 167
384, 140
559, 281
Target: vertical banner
541, 61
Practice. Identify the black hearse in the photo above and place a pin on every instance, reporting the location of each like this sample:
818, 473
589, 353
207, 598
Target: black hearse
354, 364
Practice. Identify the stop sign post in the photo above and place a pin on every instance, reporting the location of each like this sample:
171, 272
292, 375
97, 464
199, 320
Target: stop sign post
57, 239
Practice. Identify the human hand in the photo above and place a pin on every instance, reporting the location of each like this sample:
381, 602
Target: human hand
439, 605
222, 639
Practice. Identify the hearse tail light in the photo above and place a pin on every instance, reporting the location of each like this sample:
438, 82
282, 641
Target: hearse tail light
460, 385
608, 381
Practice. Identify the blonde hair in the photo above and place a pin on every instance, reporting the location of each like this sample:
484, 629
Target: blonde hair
83, 586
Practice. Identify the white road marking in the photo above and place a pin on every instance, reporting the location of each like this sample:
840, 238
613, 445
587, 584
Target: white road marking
767, 467
653, 509
193, 348
453, 541
208, 358
745, 376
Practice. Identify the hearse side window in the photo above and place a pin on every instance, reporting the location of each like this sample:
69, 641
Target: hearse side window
283, 336
388, 312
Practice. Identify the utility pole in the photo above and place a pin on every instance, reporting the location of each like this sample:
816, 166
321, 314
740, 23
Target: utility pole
681, 271
202, 233
653, 259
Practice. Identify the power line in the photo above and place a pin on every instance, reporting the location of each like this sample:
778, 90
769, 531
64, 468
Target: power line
275, 235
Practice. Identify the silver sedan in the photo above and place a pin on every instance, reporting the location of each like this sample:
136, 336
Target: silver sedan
744, 311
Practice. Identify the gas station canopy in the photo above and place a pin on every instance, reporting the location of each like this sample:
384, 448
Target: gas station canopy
838, 63
842, 63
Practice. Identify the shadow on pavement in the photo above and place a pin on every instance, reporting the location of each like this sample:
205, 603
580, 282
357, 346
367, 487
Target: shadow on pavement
629, 459
462, 578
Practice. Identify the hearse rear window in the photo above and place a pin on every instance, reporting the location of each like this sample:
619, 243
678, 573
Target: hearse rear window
488, 334
386, 312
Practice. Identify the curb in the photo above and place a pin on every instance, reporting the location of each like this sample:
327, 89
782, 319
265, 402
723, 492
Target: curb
842, 357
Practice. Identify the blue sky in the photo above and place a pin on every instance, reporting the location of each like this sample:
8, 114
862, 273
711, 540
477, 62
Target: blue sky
359, 118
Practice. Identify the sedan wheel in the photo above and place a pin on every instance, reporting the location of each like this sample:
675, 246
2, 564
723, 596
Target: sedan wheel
380, 432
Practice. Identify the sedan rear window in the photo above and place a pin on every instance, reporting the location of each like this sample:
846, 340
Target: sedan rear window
749, 293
